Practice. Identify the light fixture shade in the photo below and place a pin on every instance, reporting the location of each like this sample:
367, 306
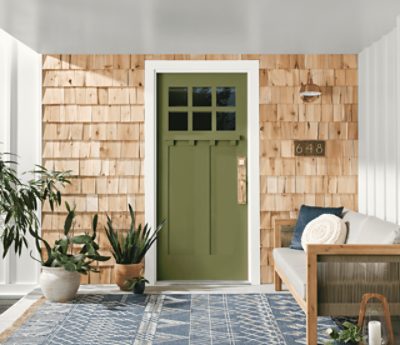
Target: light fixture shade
310, 91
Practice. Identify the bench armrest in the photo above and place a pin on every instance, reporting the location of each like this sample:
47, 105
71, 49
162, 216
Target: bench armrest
352, 249
279, 226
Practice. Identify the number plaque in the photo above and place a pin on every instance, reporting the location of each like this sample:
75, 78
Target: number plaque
309, 148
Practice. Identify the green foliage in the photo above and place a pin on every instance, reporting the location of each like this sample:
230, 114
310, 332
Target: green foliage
131, 283
350, 334
19, 200
132, 247
74, 253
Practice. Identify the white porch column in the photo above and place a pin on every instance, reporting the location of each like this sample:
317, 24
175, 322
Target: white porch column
20, 133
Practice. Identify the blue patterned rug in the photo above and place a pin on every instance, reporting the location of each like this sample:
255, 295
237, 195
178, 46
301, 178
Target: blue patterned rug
218, 319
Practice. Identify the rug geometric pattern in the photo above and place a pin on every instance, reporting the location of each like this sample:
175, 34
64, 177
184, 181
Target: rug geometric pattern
175, 319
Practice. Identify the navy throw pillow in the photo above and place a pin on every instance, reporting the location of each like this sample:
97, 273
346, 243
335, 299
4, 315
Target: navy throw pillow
306, 215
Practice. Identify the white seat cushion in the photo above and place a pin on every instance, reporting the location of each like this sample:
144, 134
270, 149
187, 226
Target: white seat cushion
293, 264
325, 229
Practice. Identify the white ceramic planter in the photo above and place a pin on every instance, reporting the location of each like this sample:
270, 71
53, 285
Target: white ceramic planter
59, 285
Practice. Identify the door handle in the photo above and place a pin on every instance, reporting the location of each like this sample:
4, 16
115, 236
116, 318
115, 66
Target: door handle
241, 180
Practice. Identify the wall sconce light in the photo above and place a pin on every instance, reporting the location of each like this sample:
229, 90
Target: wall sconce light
309, 92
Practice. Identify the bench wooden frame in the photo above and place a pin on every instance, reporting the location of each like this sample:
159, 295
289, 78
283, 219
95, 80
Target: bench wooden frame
310, 305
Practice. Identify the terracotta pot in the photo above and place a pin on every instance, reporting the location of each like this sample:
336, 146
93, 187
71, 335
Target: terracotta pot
59, 285
125, 272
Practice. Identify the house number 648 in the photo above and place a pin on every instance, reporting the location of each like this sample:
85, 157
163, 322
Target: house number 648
309, 148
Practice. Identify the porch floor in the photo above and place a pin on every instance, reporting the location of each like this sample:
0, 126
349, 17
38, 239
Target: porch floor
13, 313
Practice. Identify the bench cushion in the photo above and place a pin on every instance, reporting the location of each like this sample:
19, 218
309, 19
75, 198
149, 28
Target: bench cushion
293, 264
364, 229
377, 231
355, 222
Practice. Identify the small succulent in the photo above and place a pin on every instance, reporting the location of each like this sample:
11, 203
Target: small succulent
136, 284
350, 334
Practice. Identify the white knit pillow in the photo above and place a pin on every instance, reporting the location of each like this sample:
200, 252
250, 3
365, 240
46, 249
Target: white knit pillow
325, 229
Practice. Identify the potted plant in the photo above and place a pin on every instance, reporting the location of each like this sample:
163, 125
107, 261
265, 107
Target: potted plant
136, 284
19, 200
130, 249
349, 334
69, 257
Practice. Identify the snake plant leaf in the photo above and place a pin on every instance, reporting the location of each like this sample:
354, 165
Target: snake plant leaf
132, 215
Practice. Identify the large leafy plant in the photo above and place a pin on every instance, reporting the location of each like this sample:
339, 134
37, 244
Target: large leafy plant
132, 247
20, 199
74, 253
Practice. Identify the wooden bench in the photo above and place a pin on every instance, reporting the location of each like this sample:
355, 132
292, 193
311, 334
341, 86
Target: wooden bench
337, 276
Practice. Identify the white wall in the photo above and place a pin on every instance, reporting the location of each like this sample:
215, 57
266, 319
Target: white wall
379, 128
20, 133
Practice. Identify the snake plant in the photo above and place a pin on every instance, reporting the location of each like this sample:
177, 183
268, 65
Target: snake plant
132, 247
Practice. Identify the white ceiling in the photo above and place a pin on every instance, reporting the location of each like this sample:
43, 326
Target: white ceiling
202, 26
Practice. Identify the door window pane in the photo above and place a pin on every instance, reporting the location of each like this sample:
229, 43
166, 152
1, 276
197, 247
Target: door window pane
226, 96
177, 97
178, 121
202, 121
226, 121
202, 96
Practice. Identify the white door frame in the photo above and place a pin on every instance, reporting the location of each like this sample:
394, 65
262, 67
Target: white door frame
251, 68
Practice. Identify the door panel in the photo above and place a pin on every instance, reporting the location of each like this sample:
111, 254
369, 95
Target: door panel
201, 131
226, 218
188, 202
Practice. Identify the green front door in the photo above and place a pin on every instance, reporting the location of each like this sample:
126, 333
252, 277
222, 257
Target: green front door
202, 146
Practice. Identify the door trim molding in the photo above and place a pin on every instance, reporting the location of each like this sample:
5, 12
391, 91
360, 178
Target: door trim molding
251, 68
